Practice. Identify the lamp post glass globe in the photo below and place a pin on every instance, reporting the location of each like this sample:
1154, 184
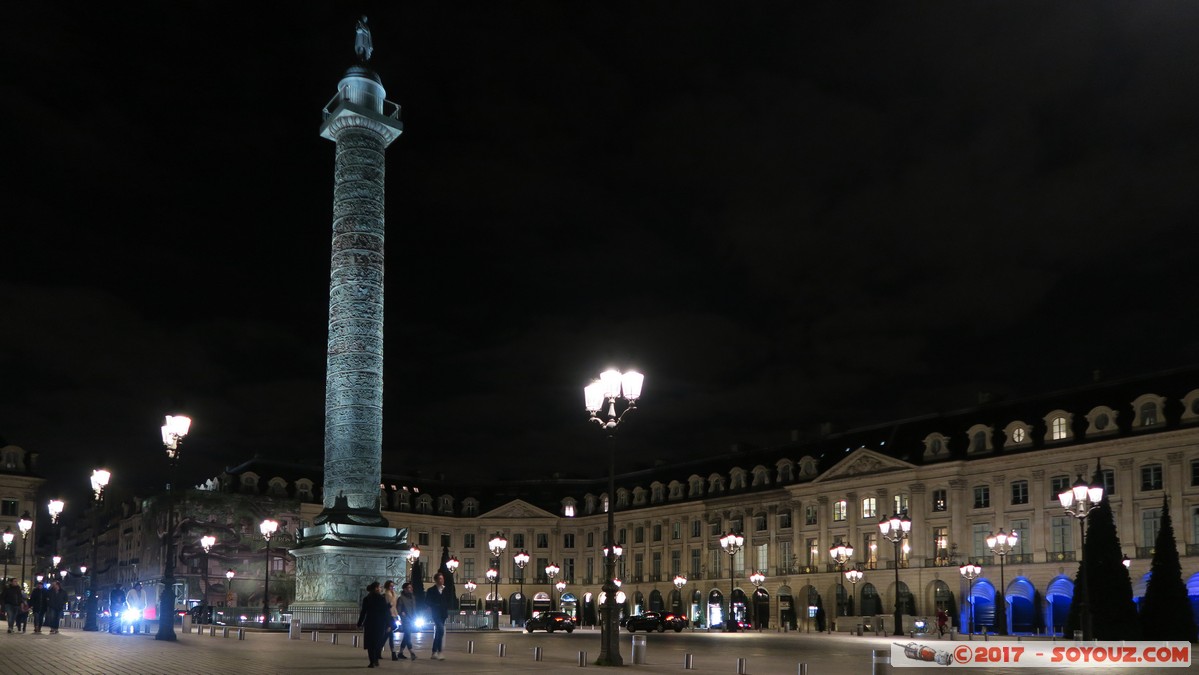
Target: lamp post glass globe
452, 565
680, 581
55, 507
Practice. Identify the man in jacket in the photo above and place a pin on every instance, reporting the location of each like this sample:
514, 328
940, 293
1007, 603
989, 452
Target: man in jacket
438, 600
37, 605
116, 609
12, 598
136, 599
55, 601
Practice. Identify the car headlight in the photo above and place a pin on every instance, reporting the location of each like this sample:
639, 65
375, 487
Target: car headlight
132, 614
420, 622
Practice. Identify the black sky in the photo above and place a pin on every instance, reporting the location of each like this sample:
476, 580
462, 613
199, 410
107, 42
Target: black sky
782, 215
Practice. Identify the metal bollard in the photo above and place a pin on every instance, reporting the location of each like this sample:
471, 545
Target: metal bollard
688, 661
225, 633
582, 659
503, 651
314, 635
470, 646
803, 669
356, 641
881, 657
639, 649
241, 633
537, 653
212, 631
740, 666
333, 640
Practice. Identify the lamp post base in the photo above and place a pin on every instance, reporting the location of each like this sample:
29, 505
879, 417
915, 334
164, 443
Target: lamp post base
166, 612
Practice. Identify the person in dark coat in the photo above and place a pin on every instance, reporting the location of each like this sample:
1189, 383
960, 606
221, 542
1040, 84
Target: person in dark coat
116, 609
37, 605
12, 598
438, 600
56, 599
375, 620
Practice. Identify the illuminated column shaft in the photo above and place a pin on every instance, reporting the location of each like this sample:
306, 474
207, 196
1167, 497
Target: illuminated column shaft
354, 367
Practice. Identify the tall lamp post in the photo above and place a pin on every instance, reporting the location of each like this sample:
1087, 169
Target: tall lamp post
470, 587
230, 598
731, 543
206, 543
520, 560
7, 537
679, 582
55, 507
1078, 501
970, 572
551, 571
173, 431
612, 385
267, 528
895, 530
853, 576
497, 546
841, 553
1001, 544
757, 579
24, 525
100, 479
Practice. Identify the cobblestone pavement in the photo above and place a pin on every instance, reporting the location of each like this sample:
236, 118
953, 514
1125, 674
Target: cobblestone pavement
75, 651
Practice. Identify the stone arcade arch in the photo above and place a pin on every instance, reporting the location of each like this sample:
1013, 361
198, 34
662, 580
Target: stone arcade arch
655, 601
982, 600
761, 609
1021, 599
1058, 596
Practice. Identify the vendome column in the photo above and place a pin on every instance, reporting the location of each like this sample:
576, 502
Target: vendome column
350, 543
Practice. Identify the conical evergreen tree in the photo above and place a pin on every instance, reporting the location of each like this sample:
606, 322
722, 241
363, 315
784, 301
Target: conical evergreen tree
1166, 609
1113, 613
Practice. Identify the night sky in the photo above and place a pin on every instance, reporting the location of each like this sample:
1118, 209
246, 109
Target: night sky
783, 216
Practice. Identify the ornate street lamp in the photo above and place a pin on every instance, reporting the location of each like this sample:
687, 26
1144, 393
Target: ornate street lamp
679, 582
1001, 544
853, 576
7, 537
841, 553
551, 571
497, 546
561, 586
895, 530
757, 579
230, 599
470, 587
55, 507
520, 560
612, 385
732, 543
173, 431
1079, 500
267, 528
971, 572
206, 543
24, 525
100, 479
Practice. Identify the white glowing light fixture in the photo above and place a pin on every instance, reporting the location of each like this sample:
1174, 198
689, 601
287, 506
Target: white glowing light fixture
492, 574
470, 586
521, 559
620, 597
757, 578
551, 571
56, 560
100, 478
8, 536
24, 524
618, 582
498, 545
452, 564
617, 550
207, 542
593, 395
268, 528
561, 586
413, 553
970, 571
55, 508
173, 431
610, 379
229, 574
680, 581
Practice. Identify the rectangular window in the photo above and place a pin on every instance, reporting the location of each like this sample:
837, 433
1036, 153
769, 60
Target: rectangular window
422, 538
940, 500
811, 514
657, 532
736, 525
785, 519
714, 556
840, 507
739, 562
1058, 485
982, 496
539, 571
445, 540
763, 557
760, 522
941, 545
1194, 472
676, 530
656, 566
1151, 477
1151, 520
870, 549
1109, 481
467, 569
1194, 524
978, 536
8, 507
813, 546
638, 566
518, 540
568, 540
1020, 529
695, 563
786, 558
901, 503
543, 540
714, 529
696, 529
568, 570
591, 570
869, 508
638, 535
676, 564
1061, 530
1020, 492
468, 541
590, 540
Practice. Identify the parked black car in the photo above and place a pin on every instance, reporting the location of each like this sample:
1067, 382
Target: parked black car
550, 622
659, 621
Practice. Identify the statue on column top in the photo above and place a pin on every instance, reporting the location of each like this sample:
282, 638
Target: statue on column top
362, 41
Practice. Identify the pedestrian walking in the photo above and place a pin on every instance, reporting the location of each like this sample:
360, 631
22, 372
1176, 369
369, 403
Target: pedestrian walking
406, 606
12, 598
375, 620
389, 592
37, 605
116, 608
437, 599
942, 621
136, 599
56, 599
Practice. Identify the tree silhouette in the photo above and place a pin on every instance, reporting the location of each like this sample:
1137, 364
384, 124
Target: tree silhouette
1166, 609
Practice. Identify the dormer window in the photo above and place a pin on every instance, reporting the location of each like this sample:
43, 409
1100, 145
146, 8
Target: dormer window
737, 479
1190, 406
936, 446
658, 492
1057, 426
470, 506
695, 486
761, 476
676, 490
1018, 434
715, 483
1101, 420
1147, 411
786, 471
